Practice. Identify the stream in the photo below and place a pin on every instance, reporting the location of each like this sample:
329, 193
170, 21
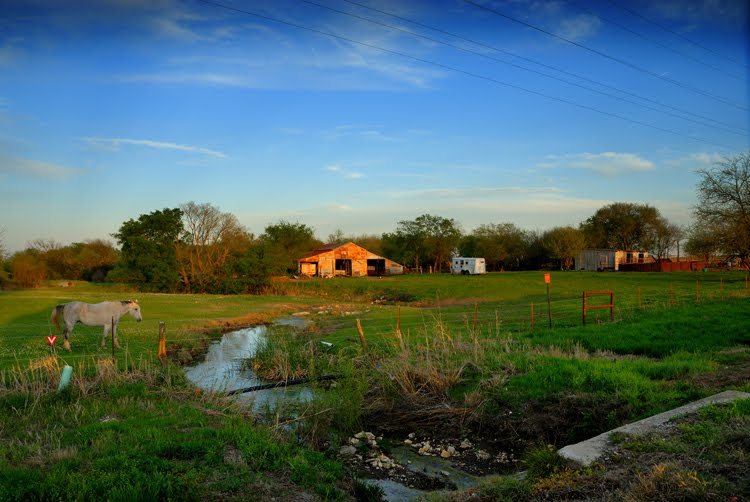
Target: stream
223, 370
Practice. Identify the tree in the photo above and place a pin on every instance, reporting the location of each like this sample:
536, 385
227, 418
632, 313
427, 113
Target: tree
427, 238
95, 258
371, 242
337, 237
149, 250
563, 244
702, 242
210, 240
28, 269
723, 207
665, 237
622, 225
284, 243
502, 245
443, 236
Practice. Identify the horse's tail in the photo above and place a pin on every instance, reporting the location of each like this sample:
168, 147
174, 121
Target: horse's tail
55, 315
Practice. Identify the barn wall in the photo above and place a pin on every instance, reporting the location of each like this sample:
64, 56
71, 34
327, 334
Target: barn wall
345, 260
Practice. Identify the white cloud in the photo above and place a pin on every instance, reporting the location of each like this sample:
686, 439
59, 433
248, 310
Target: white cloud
115, 143
605, 163
473, 193
706, 158
579, 27
199, 78
346, 173
365, 132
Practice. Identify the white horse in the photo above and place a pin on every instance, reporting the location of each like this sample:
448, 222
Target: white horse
105, 314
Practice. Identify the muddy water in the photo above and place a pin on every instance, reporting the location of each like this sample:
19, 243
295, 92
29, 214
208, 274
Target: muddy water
223, 370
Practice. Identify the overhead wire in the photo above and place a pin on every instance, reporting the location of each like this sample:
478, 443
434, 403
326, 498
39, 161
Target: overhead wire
678, 35
726, 127
461, 71
582, 8
609, 56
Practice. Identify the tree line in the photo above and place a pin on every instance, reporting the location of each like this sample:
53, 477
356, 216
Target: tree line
197, 248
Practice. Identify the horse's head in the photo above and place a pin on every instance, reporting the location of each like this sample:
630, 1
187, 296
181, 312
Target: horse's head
135, 310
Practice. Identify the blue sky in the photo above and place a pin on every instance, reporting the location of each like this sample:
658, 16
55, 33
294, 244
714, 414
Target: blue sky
531, 112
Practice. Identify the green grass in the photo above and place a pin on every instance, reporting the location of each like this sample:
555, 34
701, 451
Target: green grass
466, 342
83, 443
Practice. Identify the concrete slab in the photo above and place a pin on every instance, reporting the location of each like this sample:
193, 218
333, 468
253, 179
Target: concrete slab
587, 452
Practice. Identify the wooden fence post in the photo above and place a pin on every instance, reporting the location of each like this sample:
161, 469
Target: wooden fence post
361, 337
162, 343
475, 318
532, 317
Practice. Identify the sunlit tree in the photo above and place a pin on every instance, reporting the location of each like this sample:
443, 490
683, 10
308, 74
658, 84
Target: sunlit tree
502, 245
622, 225
148, 249
210, 240
426, 239
563, 244
723, 208
284, 243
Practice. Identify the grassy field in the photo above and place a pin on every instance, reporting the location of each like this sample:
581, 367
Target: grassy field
443, 353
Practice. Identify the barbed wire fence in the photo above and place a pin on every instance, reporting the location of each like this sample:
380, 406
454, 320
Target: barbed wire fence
26, 341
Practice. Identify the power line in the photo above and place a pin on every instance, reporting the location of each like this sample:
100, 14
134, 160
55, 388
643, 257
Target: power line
610, 57
464, 72
679, 35
652, 41
727, 127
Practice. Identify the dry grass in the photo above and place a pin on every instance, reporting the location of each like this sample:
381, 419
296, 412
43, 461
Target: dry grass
670, 481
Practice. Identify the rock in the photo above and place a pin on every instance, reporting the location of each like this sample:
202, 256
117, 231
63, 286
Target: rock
347, 451
408, 441
482, 455
445, 454
465, 444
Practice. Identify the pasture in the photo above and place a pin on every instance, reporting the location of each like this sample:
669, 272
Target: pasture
444, 357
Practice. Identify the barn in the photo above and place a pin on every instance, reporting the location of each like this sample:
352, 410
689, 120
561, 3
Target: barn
349, 260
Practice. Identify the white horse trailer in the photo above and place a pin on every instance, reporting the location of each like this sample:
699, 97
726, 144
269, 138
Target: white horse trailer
468, 266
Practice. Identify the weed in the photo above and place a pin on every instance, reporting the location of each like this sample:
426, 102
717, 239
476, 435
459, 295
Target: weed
543, 461
669, 481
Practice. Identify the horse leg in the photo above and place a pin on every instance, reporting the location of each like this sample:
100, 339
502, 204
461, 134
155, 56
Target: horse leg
104, 335
66, 333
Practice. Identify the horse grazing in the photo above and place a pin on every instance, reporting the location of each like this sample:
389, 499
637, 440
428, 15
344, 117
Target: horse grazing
105, 314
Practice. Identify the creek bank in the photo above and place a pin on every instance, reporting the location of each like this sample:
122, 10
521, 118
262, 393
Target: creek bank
420, 462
